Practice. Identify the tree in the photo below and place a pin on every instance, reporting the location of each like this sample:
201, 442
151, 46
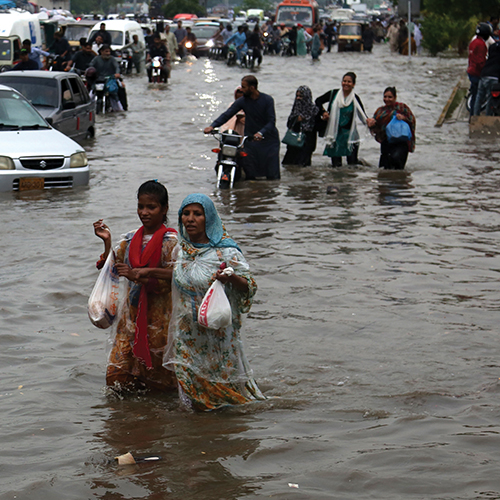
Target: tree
183, 7
463, 9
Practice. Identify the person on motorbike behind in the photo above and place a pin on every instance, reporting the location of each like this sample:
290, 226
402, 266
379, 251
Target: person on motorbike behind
26, 63
254, 43
190, 37
106, 65
81, 59
240, 41
61, 48
34, 52
158, 49
478, 52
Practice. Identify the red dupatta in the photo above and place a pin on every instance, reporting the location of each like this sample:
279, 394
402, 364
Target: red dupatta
149, 257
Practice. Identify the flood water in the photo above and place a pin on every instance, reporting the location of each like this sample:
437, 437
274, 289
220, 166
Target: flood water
374, 331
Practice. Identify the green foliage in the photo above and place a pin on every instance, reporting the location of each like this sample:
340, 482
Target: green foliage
436, 32
183, 7
464, 9
441, 32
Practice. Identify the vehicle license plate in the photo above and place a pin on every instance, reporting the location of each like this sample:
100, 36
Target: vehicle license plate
29, 183
99, 86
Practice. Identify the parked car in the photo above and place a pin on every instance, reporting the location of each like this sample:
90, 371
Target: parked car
350, 36
204, 32
60, 97
33, 155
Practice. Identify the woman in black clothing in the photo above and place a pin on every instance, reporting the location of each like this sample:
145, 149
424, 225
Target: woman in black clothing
302, 119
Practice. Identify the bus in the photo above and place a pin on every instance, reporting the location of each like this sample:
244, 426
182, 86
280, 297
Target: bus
293, 12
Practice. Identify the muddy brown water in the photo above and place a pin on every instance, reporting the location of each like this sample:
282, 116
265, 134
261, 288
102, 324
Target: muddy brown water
374, 331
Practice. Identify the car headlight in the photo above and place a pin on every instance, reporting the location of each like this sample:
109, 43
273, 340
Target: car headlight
6, 163
78, 160
210, 43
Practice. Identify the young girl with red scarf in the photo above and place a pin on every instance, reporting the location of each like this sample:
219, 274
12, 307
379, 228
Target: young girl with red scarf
140, 332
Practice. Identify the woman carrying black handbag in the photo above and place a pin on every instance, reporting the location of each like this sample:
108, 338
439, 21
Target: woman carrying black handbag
302, 120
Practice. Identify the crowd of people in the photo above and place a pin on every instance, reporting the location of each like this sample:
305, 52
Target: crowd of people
337, 115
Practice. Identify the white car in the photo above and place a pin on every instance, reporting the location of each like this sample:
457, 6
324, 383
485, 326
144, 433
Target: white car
33, 155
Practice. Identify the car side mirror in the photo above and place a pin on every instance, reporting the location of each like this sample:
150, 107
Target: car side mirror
50, 121
69, 105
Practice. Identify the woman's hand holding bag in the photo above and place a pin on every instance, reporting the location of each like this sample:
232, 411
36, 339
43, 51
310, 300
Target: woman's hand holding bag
398, 130
292, 138
215, 309
103, 301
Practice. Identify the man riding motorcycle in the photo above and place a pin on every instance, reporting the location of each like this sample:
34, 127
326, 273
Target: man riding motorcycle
106, 65
158, 49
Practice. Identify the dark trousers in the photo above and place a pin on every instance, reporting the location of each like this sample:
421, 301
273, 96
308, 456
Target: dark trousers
352, 159
474, 84
393, 155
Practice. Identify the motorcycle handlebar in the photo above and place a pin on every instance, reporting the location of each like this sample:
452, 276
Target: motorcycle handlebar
246, 138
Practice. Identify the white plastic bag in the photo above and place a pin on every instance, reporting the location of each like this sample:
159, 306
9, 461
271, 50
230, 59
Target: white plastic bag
215, 309
103, 301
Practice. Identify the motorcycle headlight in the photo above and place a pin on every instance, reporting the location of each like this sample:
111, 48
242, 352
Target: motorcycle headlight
78, 160
189, 45
210, 43
6, 163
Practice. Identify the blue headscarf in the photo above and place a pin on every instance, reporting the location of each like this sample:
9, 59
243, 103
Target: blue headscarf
214, 230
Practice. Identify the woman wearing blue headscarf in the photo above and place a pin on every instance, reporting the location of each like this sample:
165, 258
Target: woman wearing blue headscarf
210, 365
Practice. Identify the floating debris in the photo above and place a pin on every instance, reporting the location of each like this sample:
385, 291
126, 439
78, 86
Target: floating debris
128, 459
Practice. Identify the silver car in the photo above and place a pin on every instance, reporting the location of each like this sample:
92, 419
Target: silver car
60, 97
33, 155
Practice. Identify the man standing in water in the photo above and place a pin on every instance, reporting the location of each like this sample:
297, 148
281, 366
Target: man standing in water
260, 123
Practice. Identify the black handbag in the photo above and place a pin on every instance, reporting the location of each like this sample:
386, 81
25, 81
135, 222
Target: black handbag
295, 139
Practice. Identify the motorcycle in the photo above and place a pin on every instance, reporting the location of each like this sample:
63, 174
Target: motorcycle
106, 94
248, 59
231, 55
495, 99
54, 63
216, 49
126, 62
230, 156
158, 74
286, 47
190, 48
268, 43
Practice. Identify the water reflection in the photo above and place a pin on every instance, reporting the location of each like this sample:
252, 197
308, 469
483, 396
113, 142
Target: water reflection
194, 448
395, 188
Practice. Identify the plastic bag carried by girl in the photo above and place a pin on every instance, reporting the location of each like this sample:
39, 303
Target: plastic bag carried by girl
215, 309
103, 301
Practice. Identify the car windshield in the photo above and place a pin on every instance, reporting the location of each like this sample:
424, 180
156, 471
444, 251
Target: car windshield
116, 37
40, 91
350, 30
75, 32
204, 31
16, 112
291, 14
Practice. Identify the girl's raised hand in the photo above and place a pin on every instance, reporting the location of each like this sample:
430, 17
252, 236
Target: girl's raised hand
102, 231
